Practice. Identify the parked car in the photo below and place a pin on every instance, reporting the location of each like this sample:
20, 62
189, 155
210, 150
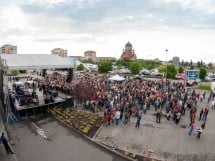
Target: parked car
145, 72
179, 76
157, 74
140, 77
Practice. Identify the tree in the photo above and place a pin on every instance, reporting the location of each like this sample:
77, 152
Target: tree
202, 73
186, 63
182, 62
104, 66
135, 67
210, 65
199, 64
149, 64
80, 67
191, 62
23, 71
180, 69
14, 72
123, 63
87, 61
171, 71
191, 67
162, 69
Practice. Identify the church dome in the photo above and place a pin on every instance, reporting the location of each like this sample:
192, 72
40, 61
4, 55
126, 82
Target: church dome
128, 44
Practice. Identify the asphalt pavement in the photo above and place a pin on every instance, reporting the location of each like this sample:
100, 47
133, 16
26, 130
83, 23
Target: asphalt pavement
63, 144
167, 140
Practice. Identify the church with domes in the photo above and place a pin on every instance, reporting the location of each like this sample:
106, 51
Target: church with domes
128, 52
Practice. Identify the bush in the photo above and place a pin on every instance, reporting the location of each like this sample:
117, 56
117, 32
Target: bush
14, 72
80, 67
204, 87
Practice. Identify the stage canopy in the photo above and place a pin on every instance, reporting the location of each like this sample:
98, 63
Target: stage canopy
117, 78
35, 61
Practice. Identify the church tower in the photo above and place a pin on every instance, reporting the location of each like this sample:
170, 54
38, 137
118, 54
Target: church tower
128, 53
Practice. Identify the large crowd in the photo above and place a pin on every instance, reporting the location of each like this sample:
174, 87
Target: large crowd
121, 100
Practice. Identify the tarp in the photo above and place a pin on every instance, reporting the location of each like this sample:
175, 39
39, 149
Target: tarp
35, 61
117, 78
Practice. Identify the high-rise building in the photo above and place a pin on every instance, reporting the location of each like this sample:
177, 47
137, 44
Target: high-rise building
176, 61
128, 53
90, 54
60, 52
8, 49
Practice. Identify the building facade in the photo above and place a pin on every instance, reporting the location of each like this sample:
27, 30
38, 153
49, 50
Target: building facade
8, 49
60, 52
128, 52
176, 61
91, 55
80, 58
105, 59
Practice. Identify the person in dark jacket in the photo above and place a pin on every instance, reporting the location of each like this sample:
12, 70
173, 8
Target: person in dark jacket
5, 142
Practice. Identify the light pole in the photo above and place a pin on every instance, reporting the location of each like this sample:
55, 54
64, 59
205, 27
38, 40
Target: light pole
166, 65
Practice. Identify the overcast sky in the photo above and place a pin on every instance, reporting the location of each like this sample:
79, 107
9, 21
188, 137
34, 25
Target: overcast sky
185, 27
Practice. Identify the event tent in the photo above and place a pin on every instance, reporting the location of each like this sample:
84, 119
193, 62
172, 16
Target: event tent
117, 78
35, 61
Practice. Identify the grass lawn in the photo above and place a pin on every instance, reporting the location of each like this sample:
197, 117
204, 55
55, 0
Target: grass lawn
204, 87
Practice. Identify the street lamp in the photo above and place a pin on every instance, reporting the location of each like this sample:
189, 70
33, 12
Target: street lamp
166, 65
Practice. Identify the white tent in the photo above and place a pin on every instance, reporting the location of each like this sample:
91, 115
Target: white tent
117, 78
35, 61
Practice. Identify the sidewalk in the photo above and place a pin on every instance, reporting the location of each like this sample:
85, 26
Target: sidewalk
3, 155
167, 140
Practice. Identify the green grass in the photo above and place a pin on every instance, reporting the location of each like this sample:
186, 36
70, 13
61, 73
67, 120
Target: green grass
204, 87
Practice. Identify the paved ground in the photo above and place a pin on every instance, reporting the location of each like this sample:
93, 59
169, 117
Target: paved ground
3, 155
63, 144
168, 140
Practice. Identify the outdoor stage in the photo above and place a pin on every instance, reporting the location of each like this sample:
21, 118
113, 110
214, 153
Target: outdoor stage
30, 109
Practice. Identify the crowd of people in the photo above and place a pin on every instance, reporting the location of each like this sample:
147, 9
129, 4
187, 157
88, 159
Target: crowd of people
134, 97
56, 81
121, 100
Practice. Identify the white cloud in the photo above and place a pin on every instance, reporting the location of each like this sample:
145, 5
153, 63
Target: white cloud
52, 3
207, 6
37, 26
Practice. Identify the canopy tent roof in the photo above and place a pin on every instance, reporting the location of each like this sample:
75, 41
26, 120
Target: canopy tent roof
117, 78
35, 61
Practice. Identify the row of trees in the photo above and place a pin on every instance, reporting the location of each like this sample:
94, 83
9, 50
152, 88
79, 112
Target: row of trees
136, 66
198, 64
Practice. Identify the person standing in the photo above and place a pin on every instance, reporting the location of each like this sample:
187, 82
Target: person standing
158, 116
178, 116
200, 114
204, 93
213, 104
139, 117
205, 114
192, 126
6, 145
117, 117
203, 125
199, 132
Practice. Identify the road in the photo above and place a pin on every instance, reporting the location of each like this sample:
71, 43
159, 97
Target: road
63, 144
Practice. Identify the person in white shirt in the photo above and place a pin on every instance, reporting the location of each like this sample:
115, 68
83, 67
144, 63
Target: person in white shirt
213, 104
117, 116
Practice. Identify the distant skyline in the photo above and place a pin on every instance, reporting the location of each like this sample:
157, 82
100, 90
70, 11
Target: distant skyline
185, 27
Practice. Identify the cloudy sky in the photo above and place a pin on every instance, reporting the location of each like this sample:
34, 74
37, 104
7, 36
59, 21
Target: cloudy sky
185, 27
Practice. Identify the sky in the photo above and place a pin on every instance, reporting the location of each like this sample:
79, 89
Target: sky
186, 28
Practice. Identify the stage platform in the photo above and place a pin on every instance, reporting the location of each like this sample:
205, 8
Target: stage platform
40, 107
